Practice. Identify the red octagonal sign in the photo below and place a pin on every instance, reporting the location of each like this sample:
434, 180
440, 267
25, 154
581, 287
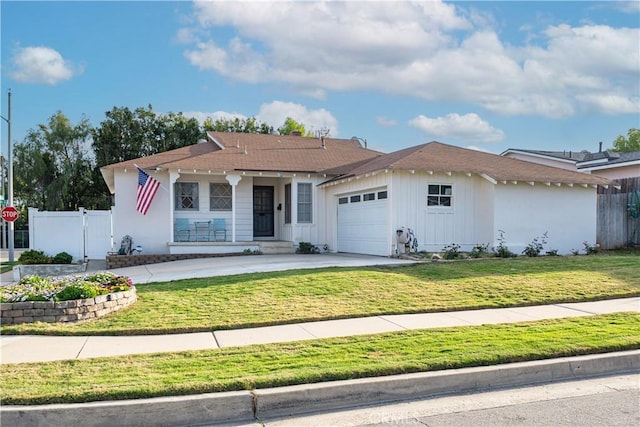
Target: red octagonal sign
10, 213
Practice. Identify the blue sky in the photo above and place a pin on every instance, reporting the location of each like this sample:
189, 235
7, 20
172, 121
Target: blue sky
489, 75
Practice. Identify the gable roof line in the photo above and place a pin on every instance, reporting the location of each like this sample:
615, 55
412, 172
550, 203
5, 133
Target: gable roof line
438, 157
546, 155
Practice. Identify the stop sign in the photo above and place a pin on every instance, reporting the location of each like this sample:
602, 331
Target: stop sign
9, 213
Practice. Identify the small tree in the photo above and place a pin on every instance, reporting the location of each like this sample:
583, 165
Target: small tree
291, 126
630, 143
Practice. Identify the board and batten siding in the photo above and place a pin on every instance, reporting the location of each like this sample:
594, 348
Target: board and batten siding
466, 223
524, 212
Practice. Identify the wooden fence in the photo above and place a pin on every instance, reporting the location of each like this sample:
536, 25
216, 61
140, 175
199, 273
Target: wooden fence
616, 227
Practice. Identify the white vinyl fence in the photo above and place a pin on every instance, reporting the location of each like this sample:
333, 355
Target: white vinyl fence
83, 234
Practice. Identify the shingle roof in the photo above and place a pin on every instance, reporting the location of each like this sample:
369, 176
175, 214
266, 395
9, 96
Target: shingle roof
609, 158
346, 157
438, 157
258, 152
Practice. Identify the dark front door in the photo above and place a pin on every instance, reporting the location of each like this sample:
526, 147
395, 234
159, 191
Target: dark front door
262, 211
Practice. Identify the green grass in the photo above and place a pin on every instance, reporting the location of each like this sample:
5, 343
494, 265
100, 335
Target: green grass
309, 295
7, 266
261, 366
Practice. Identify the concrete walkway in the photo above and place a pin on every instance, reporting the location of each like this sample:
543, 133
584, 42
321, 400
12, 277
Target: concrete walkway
28, 348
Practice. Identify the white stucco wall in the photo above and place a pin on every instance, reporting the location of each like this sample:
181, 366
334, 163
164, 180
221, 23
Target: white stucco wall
151, 231
524, 212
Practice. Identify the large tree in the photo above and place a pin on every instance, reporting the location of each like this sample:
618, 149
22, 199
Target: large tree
54, 168
126, 134
630, 143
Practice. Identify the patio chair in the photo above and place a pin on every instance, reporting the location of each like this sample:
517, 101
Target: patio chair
219, 230
182, 230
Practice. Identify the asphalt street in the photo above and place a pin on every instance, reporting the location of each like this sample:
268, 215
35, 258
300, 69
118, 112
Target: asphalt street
611, 401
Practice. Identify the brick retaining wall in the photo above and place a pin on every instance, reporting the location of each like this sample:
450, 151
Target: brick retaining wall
65, 311
120, 261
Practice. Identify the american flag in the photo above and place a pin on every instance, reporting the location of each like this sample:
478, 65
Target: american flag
147, 189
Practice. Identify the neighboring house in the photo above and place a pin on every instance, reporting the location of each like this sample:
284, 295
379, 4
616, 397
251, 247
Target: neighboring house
611, 164
335, 192
608, 164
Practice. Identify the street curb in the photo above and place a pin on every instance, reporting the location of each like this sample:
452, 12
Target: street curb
245, 406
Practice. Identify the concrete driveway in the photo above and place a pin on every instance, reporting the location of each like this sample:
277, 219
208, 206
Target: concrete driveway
229, 265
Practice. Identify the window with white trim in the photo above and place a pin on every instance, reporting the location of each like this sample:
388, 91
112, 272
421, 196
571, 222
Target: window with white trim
186, 196
220, 197
304, 203
439, 195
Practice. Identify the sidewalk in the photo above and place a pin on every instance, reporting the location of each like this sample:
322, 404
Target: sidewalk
26, 348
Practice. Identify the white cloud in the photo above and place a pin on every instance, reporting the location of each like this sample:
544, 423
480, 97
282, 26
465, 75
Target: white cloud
276, 112
437, 51
632, 7
386, 122
469, 128
41, 64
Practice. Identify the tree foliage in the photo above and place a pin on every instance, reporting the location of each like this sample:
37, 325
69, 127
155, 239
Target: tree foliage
250, 125
57, 166
53, 167
630, 143
126, 134
290, 126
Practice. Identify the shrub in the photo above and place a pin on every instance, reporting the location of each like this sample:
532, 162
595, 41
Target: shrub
33, 256
534, 248
307, 248
80, 290
62, 258
552, 252
37, 288
479, 251
451, 251
502, 250
591, 249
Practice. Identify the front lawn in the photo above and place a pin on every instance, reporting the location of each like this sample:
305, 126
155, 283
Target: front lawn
273, 365
331, 293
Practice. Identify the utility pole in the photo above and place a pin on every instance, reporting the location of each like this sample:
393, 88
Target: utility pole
9, 177
3, 241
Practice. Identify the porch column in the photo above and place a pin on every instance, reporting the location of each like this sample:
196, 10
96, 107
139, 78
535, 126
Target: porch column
233, 180
173, 177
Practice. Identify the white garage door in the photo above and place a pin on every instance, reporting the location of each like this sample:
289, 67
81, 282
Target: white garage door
362, 223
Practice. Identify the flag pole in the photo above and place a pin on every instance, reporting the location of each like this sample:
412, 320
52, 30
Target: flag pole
161, 186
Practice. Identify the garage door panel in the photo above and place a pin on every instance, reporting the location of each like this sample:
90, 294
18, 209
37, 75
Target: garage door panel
362, 227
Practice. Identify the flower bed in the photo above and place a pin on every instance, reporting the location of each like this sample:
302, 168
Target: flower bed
65, 299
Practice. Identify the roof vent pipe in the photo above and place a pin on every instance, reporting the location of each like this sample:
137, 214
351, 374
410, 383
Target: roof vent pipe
600, 147
324, 145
